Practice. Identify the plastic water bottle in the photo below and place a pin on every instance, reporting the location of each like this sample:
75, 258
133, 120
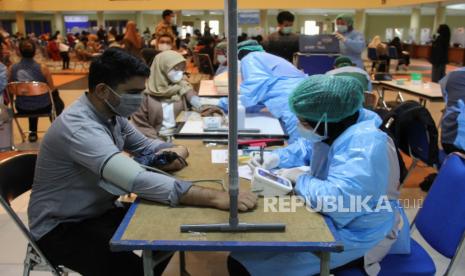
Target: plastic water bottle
240, 115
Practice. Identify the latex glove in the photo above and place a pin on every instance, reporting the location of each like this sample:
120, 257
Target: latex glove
270, 161
291, 174
195, 102
340, 37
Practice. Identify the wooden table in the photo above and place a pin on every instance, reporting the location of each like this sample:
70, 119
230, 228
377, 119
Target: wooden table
150, 226
208, 89
425, 92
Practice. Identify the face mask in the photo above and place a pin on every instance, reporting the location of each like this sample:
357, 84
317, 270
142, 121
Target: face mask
341, 28
221, 59
164, 47
175, 76
286, 30
311, 134
173, 20
128, 104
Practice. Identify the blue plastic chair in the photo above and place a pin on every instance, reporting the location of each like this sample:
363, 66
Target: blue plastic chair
440, 222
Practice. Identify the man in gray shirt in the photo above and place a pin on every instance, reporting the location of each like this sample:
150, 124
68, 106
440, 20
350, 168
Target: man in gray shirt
283, 43
81, 170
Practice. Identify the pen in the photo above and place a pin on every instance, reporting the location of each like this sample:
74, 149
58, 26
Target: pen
261, 155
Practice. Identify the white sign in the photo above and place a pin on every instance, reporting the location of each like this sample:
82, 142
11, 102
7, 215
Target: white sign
76, 18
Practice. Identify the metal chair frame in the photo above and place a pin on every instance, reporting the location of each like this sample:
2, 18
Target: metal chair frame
28, 89
34, 260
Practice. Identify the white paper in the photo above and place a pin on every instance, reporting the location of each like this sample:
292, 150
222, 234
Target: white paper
267, 125
221, 156
245, 172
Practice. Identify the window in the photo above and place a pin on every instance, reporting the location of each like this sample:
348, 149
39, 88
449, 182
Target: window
213, 24
311, 28
186, 30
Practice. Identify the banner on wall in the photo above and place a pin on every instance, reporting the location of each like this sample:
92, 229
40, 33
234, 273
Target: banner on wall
412, 33
458, 37
76, 23
425, 36
389, 34
248, 18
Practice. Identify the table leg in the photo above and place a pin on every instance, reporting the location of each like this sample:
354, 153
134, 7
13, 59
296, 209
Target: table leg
324, 263
147, 256
423, 102
182, 264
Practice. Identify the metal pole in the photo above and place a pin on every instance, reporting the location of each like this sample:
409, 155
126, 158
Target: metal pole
233, 225
232, 106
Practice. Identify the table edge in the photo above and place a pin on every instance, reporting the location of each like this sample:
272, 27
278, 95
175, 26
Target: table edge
117, 244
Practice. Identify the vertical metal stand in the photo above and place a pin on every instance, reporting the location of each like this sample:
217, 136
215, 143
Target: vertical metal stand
233, 225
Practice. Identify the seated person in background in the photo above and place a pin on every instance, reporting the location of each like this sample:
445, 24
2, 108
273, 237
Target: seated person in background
404, 56
83, 51
164, 42
53, 50
166, 95
453, 120
381, 52
29, 70
221, 57
81, 170
267, 81
343, 66
117, 41
283, 43
208, 49
3, 80
349, 156
132, 40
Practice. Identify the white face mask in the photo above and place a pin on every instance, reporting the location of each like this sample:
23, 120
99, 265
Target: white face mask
311, 134
341, 28
286, 30
164, 47
221, 59
175, 76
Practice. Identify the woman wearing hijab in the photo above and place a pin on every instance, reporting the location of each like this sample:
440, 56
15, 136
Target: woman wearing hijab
132, 40
381, 52
165, 96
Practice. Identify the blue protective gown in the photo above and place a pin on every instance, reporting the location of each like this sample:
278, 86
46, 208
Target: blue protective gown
353, 47
361, 162
453, 120
269, 80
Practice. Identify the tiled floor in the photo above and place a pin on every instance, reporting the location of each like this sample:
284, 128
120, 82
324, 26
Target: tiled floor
13, 244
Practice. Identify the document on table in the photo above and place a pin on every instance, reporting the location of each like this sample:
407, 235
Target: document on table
266, 124
221, 156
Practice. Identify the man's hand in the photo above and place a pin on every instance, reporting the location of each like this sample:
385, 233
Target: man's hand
199, 196
180, 150
210, 111
340, 37
246, 201
177, 164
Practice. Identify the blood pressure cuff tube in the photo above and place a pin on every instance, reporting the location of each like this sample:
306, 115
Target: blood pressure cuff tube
119, 174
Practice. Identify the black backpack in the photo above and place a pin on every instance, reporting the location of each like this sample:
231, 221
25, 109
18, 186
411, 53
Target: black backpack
406, 124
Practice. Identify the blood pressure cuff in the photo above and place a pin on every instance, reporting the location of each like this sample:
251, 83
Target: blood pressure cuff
119, 174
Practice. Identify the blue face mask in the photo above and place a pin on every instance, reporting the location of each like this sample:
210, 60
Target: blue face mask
311, 134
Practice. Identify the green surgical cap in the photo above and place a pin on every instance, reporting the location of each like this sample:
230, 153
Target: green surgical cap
342, 61
251, 45
337, 96
347, 18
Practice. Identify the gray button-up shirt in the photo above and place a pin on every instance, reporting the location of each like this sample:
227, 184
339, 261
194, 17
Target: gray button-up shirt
68, 175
